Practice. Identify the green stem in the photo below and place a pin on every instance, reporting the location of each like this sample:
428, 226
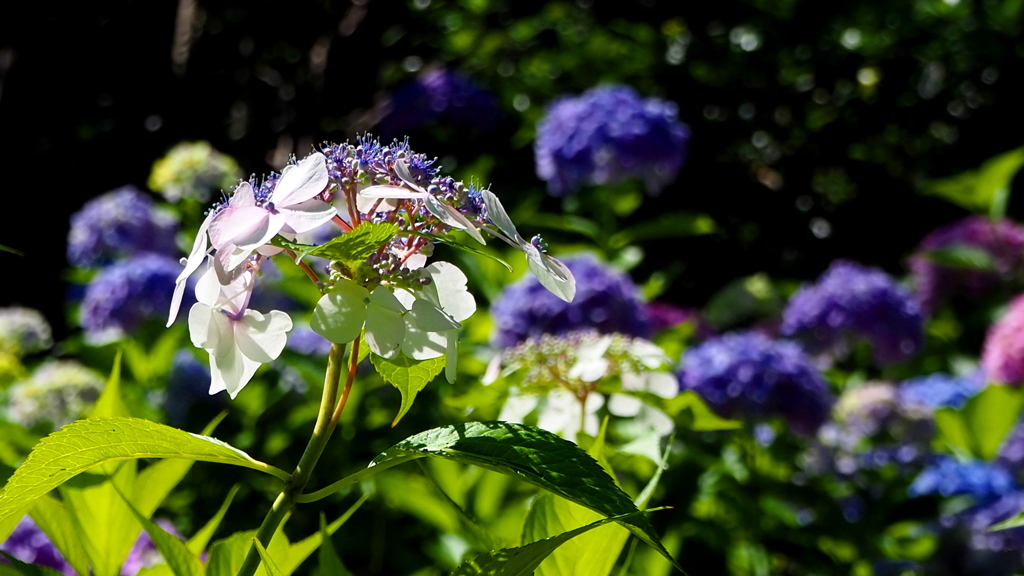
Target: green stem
297, 481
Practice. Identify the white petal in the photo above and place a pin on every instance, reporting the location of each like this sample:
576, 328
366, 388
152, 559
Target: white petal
450, 285
422, 345
262, 338
497, 215
451, 361
202, 329
238, 225
230, 263
391, 192
305, 216
208, 288
428, 317
385, 330
517, 408
195, 258
452, 217
340, 314
551, 273
302, 181
589, 369
625, 406
230, 371
384, 298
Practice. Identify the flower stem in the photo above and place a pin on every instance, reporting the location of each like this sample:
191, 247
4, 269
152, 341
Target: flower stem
322, 430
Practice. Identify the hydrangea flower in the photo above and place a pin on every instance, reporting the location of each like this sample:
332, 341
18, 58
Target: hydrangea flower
31, 545
24, 331
119, 223
1001, 242
127, 294
947, 476
850, 299
749, 375
1002, 357
606, 300
929, 393
440, 96
193, 170
607, 135
56, 393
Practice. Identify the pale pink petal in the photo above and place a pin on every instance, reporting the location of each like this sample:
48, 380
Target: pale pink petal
300, 182
202, 328
305, 216
244, 227
262, 338
208, 288
389, 191
195, 258
230, 371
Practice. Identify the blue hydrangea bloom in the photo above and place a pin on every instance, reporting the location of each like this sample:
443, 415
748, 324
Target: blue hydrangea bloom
606, 300
929, 393
188, 385
749, 375
865, 302
607, 135
947, 476
303, 340
29, 544
440, 96
126, 294
119, 223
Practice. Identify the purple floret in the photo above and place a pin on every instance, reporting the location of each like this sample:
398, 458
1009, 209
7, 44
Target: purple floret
120, 223
1002, 241
607, 135
123, 296
929, 393
748, 375
850, 299
440, 96
606, 300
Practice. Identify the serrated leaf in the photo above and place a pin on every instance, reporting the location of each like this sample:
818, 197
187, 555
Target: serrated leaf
408, 375
979, 190
459, 246
980, 427
534, 455
86, 444
523, 560
358, 244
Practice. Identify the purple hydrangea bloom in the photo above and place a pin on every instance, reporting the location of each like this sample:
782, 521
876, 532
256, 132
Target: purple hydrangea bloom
606, 300
607, 135
440, 96
303, 340
749, 375
1002, 358
119, 223
144, 553
929, 393
1002, 241
29, 544
852, 299
947, 476
125, 295
664, 316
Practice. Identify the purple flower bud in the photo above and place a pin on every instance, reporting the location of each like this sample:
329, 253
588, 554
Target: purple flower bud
123, 296
748, 375
850, 299
119, 223
1002, 358
1002, 241
606, 300
607, 135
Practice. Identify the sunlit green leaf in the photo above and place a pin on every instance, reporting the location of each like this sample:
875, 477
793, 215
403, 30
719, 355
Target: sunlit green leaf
981, 425
671, 225
197, 543
592, 553
179, 558
268, 562
356, 245
340, 314
89, 443
329, 562
92, 500
19, 568
408, 375
963, 256
979, 190
55, 521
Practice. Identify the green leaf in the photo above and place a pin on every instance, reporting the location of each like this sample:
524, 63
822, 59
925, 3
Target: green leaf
963, 256
330, 563
179, 558
19, 568
980, 427
588, 554
86, 444
687, 409
980, 190
356, 245
408, 375
465, 248
523, 560
56, 522
92, 500
340, 314
227, 554
534, 455
671, 225
268, 562
110, 403
197, 543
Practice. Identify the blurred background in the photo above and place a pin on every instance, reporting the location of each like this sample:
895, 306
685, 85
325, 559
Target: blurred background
811, 125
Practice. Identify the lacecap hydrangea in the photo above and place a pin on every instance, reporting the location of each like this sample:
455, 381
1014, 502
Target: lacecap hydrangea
1002, 357
120, 223
607, 135
193, 170
606, 301
440, 96
749, 376
854, 300
999, 243
24, 331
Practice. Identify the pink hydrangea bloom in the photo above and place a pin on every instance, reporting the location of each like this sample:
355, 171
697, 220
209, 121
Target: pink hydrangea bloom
1003, 356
